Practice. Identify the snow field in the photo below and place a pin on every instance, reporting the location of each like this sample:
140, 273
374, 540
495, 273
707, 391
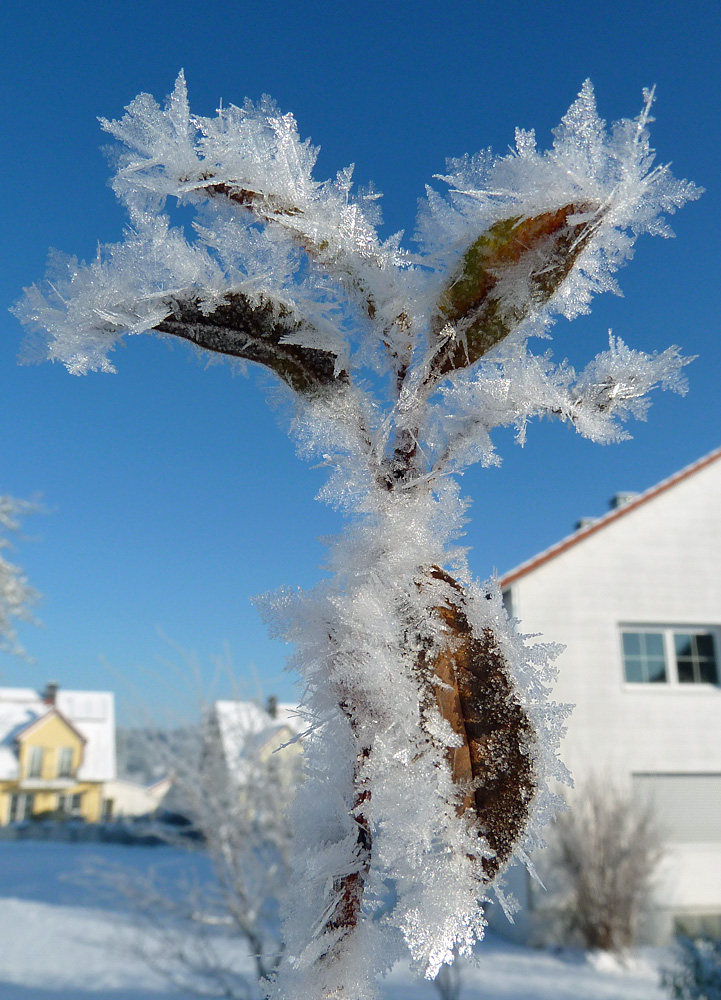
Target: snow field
55, 945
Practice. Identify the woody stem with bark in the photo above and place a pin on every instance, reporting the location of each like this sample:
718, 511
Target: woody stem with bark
349, 888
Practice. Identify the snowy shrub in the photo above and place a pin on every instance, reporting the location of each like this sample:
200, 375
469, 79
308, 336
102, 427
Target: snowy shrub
603, 853
698, 974
432, 741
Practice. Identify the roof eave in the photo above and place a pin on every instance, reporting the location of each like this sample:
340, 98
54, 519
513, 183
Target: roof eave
513, 575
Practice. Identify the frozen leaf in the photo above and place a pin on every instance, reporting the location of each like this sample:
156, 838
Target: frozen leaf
493, 766
511, 269
256, 332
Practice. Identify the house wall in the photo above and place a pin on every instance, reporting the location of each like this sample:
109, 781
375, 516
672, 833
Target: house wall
127, 798
92, 800
52, 735
656, 565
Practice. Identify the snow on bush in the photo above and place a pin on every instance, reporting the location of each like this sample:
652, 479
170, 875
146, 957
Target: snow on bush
432, 741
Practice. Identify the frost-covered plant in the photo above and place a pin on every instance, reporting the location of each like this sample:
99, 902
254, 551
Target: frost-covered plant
16, 594
432, 740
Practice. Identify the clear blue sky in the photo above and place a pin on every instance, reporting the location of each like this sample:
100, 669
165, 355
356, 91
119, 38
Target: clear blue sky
172, 493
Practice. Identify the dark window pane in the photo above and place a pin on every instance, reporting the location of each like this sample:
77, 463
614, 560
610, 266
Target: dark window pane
656, 670
632, 643
709, 674
654, 644
704, 645
644, 657
35, 764
685, 671
634, 670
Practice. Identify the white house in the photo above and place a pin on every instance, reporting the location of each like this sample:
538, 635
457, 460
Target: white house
250, 732
129, 798
635, 596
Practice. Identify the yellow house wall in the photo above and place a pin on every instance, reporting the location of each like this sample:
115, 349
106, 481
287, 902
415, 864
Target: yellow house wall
6, 790
52, 734
92, 802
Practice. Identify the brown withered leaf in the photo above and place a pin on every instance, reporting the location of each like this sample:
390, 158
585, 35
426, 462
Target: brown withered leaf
493, 767
542, 250
253, 331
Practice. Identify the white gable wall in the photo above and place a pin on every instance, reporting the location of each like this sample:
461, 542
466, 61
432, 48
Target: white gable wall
658, 564
247, 730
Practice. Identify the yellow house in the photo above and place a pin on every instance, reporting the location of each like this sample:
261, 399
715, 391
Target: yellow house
57, 751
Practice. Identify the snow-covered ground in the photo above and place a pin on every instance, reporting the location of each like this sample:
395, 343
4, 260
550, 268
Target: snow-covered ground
63, 935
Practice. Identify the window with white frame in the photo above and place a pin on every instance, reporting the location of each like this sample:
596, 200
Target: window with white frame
21, 807
35, 762
672, 655
65, 762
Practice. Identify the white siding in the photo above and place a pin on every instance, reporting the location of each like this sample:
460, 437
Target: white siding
658, 565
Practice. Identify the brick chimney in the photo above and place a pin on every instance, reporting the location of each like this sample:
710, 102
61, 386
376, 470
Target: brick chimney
50, 692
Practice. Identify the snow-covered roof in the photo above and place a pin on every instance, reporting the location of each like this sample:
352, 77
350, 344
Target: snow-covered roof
91, 713
246, 727
590, 527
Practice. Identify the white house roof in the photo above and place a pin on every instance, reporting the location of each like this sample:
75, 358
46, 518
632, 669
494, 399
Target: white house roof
591, 527
91, 713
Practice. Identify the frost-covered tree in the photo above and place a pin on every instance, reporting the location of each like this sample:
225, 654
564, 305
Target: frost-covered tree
234, 791
432, 740
16, 594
